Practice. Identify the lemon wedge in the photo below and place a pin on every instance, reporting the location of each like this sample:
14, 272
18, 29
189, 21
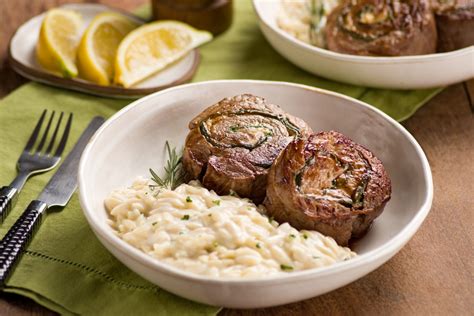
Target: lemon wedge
58, 40
98, 47
151, 47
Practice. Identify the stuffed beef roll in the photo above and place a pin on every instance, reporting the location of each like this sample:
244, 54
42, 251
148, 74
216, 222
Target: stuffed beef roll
382, 28
455, 23
327, 183
232, 144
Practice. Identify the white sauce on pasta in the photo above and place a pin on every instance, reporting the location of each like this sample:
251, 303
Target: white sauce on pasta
295, 18
196, 230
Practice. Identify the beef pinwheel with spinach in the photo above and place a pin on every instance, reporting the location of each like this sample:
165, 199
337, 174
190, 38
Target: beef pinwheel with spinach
455, 22
382, 28
327, 183
232, 144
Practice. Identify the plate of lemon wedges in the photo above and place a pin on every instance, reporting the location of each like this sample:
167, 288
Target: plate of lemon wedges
96, 49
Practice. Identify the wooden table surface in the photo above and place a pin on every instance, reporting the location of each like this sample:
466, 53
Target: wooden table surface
432, 274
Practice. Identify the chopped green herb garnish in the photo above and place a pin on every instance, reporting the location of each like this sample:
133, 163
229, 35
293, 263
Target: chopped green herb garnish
185, 217
232, 193
305, 236
292, 236
285, 267
270, 219
234, 128
188, 199
181, 233
217, 202
154, 223
316, 257
258, 245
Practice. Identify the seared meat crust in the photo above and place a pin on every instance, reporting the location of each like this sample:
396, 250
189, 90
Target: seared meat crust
455, 23
382, 28
327, 183
232, 144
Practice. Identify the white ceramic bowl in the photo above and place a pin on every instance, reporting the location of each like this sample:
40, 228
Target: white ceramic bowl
407, 72
133, 140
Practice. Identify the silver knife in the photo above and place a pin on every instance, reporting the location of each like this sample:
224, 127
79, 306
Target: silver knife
57, 192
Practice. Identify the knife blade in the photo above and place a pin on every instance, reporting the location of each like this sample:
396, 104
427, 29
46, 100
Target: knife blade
57, 192
62, 185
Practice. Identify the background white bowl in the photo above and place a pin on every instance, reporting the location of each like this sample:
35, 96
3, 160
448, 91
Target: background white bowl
407, 72
133, 140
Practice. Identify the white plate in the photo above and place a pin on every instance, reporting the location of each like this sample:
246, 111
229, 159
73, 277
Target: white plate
133, 140
23, 60
407, 72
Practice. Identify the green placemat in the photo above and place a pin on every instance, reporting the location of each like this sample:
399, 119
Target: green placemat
65, 268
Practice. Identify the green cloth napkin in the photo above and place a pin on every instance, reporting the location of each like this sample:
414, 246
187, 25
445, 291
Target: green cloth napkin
65, 268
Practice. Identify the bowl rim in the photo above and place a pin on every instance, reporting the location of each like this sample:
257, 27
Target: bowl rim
426, 58
379, 254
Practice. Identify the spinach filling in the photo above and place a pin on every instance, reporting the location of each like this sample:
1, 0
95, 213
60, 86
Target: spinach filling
356, 201
292, 129
358, 29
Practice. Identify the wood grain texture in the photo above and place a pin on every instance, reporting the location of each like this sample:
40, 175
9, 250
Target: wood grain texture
469, 86
434, 272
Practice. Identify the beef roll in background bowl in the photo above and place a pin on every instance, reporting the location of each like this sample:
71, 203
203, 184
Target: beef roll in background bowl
133, 140
455, 22
394, 72
382, 28
232, 144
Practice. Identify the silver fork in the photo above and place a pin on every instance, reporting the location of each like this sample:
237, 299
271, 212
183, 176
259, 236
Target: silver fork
33, 161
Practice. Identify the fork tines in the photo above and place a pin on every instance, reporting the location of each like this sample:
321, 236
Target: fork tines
34, 136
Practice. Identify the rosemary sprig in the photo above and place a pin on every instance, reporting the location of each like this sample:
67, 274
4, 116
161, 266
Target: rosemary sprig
173, 171
319, 10
317, 23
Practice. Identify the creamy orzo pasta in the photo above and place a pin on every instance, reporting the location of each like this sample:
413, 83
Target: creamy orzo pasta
305, 19
196, 230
